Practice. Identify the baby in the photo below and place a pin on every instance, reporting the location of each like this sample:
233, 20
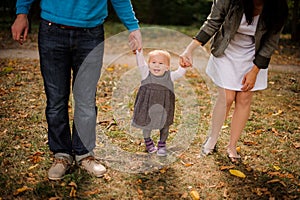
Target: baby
155, 101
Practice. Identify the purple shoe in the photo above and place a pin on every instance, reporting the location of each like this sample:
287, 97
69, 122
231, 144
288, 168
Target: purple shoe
162, 149
150, 147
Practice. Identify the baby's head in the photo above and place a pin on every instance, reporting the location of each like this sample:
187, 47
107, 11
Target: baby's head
159, 62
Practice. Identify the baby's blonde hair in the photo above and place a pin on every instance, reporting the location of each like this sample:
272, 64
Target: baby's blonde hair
160, 52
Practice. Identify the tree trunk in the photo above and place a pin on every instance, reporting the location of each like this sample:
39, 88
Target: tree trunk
295, 22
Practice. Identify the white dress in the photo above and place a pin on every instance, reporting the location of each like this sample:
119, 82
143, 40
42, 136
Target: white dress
228, 70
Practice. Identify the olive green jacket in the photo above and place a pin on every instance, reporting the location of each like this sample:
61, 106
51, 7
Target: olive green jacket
222, 24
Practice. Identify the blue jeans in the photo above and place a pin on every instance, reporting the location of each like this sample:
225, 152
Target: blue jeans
61, 52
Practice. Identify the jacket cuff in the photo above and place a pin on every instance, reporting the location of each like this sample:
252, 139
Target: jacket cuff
261, 62
202, 37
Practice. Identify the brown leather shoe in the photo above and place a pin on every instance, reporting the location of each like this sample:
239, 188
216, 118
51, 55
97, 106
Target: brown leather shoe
92, 166
59, 168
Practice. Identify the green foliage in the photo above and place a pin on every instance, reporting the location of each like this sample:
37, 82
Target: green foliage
164, 12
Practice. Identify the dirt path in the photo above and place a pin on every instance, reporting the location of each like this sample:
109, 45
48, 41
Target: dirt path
33, 54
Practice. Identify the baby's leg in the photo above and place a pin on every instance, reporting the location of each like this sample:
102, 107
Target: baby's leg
146, 134
150, 147
162, 150
164, 133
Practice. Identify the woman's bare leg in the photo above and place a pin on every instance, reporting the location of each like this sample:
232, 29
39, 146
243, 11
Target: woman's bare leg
220, 111
239, 118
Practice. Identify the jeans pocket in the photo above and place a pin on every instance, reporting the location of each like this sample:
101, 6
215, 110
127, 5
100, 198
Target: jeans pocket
96, 32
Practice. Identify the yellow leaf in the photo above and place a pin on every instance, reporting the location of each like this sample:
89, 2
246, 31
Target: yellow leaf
278, 113
238, 149
195, 195
22, 189
237, 173
73, 192
276, 167
110, 69
32, 167
72, 184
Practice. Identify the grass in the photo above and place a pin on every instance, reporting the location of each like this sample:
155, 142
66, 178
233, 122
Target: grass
269, 144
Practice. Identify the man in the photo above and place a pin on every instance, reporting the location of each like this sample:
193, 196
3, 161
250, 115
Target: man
71, 37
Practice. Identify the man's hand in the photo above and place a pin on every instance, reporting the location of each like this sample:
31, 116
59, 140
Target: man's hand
19, 29
135, 40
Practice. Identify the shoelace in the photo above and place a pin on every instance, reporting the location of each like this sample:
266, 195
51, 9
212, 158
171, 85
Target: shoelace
62, 161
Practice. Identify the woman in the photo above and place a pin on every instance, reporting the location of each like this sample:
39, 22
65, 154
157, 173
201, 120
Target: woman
245, 34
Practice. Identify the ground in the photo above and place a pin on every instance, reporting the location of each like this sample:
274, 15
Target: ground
270, 144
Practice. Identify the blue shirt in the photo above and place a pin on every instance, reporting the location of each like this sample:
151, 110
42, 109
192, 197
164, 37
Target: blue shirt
81, 13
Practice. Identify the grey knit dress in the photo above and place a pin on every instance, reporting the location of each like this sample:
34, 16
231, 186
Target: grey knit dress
155, 103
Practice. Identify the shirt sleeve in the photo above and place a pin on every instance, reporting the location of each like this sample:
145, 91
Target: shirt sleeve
23, 6
143, 66
126, 14
177, 73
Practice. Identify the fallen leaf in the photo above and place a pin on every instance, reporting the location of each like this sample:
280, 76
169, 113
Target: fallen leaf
73, 192
54, 198
222, 168
237, 173
140, 192
73, 184
276, 167
278, 113
249, 143
273, 181
225, 193
32, 167
296, 145
21, 190
186, 164
274, 130
259, 131
95, 191
184, 195
195, 195
107, 177
163, 170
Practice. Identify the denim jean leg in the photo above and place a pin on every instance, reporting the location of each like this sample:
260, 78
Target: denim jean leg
55, 64
88, 54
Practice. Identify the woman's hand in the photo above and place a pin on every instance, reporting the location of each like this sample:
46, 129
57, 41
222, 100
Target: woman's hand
250, 79
186, 59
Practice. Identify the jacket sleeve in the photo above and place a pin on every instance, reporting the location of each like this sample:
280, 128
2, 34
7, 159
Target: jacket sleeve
268, 44
214, 20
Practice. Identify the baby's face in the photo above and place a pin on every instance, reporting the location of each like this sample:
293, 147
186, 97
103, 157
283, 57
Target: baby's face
158, 65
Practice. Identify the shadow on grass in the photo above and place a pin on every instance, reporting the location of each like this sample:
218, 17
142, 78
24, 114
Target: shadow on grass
258, 184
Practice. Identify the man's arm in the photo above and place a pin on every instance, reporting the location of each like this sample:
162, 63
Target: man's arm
19, 29
126, 14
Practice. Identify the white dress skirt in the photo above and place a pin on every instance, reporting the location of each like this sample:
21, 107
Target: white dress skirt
228, 70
